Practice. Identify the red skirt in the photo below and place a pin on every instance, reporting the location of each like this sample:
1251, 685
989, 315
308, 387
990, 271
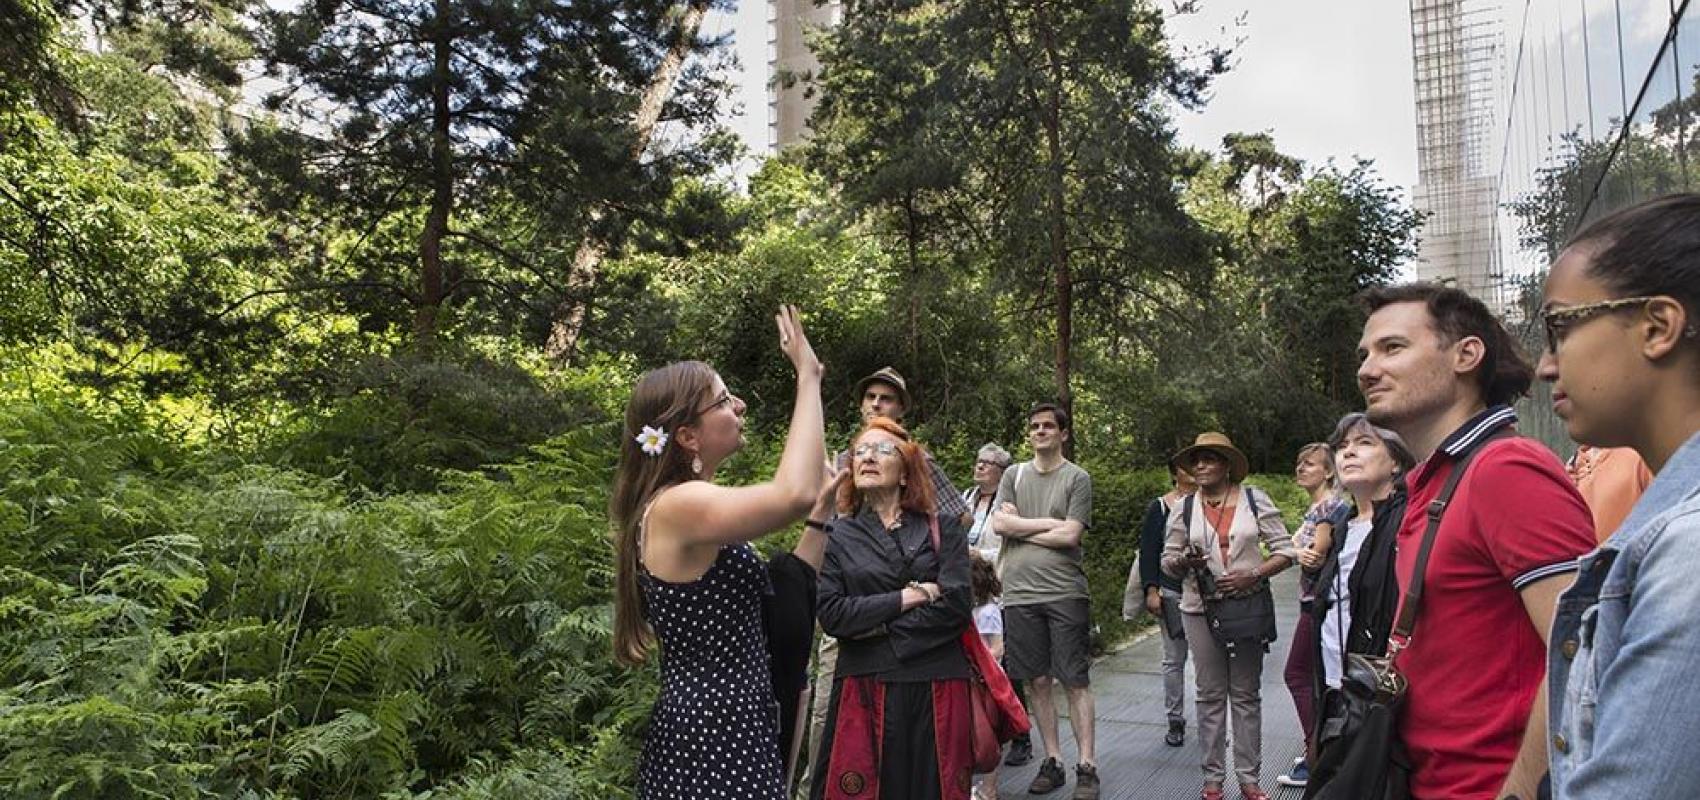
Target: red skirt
897, 741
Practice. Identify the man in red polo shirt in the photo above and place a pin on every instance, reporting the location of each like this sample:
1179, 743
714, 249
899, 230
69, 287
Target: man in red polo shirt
1440, 370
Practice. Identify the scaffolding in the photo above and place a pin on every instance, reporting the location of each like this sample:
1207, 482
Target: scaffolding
1458, 65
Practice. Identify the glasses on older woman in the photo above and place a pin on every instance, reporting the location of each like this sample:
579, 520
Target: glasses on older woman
864, 449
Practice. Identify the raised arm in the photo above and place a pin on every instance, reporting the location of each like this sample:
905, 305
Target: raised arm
699, 512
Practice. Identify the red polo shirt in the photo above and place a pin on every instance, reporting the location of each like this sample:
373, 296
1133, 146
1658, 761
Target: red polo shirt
1475, 660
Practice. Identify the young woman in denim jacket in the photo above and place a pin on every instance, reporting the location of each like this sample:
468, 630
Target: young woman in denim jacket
1622, 319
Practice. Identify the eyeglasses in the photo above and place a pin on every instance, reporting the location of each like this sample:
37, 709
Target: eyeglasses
1559, 321
725, 397
883, 448
986, 462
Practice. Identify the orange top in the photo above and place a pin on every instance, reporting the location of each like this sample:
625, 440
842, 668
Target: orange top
1222, 519
1611, 479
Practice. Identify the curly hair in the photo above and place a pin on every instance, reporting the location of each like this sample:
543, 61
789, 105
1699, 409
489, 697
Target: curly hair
983, 577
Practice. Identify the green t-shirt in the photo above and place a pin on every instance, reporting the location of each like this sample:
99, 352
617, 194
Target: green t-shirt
1034, 573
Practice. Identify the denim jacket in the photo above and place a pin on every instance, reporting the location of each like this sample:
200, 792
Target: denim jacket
1623, 669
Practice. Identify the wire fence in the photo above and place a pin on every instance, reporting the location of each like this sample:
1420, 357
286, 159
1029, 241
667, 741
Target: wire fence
1593, 108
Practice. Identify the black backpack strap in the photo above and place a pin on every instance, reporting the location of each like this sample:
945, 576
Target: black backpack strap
1186, 512
1407, 620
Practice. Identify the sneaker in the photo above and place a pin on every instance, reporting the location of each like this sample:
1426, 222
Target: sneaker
1296, 777
1085, 782
1020, 751
1049, 779
1177, 733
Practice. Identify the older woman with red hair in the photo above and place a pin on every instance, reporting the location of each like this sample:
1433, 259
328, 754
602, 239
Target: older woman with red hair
894, 589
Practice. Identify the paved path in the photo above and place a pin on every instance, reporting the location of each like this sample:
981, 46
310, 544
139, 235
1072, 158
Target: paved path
1134, 764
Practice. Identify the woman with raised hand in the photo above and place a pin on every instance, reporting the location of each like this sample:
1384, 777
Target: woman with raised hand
1622, 316
687, 577
895, 590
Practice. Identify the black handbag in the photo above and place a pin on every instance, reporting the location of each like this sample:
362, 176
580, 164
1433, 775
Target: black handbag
1359, 755
1246, 618
1235, 619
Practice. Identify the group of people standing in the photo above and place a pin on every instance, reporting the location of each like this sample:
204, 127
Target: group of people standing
1539, 653
1549, 658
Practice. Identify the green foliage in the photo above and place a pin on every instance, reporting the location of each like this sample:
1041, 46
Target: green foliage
178, 628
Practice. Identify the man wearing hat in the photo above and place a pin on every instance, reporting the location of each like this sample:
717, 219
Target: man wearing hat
886, 394
881, 394
1044, 508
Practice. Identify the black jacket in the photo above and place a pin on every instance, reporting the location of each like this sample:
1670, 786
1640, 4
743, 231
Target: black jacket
1152, 529
1373, 585
861, 585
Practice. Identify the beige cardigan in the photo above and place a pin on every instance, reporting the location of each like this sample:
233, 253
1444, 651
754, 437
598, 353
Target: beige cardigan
1247, 539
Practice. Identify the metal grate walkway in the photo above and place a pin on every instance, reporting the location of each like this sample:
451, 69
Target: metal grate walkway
1133, 762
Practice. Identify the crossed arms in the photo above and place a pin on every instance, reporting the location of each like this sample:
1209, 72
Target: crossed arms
1057, 534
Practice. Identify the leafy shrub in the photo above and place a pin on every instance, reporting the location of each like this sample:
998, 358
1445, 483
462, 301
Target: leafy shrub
176, 628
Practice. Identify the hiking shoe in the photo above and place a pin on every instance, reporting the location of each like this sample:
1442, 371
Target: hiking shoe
1049, 779
1177, 733
1020, 751
1296, 777
1085, 782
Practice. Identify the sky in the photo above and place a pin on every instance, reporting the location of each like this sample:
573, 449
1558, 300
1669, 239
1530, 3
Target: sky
1328, 78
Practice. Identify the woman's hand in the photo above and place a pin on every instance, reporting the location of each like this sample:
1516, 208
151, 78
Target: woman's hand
1238, 581
1310, 559
1195, 559
831, 478
919, 595
794, 343
1154, 603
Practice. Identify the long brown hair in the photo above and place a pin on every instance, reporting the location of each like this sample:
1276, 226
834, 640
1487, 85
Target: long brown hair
916, 493
665, 398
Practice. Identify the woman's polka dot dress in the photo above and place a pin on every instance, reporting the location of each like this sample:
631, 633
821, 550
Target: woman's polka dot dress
715, 729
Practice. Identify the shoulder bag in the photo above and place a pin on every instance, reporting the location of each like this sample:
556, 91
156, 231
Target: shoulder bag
1235, 619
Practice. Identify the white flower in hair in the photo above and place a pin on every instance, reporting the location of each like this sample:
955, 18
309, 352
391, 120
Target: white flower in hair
652, 440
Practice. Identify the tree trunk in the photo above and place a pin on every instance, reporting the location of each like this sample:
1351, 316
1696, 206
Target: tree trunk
916, 291
442, 186
1056, 195
585, 272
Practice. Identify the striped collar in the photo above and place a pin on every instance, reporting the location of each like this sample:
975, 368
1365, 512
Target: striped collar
1478, 428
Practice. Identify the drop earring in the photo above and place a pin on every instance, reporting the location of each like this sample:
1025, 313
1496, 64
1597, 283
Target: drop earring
696, 465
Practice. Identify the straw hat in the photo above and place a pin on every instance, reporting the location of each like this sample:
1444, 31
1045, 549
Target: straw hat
1220, 444
890, 376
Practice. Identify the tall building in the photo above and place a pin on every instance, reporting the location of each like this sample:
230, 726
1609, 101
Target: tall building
1458, 69
791, 65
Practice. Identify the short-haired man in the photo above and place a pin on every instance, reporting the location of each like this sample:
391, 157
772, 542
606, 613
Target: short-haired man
886, 394
1441, 371
1044, 509
881, 394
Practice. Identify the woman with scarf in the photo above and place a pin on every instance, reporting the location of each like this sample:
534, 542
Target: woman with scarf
894, 589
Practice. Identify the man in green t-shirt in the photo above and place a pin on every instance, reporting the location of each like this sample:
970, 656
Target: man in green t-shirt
1044, 509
